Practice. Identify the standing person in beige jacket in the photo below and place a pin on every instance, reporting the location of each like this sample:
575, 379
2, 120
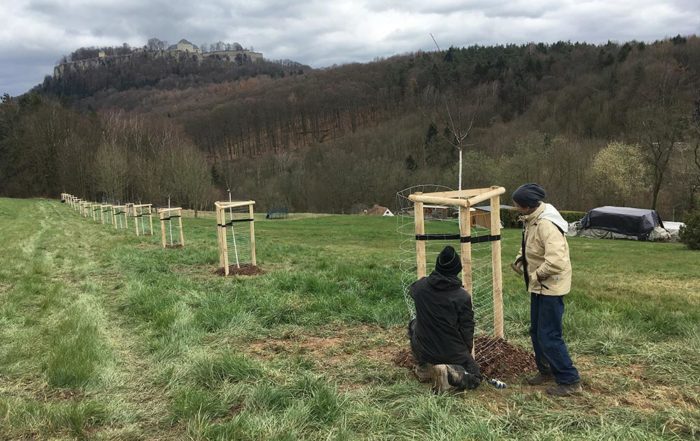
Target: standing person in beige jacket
544, 262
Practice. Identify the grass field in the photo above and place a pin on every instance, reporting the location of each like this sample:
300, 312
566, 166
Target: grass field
104, 335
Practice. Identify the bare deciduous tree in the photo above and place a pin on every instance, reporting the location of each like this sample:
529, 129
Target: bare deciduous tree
661, 123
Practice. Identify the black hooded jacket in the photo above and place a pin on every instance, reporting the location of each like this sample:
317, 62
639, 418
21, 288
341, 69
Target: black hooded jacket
444, 326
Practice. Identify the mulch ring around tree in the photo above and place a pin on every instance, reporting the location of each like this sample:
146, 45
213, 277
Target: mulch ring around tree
245, 270
177, 245
496, 357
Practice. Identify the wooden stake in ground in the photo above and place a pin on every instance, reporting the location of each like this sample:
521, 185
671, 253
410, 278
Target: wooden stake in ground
420, 244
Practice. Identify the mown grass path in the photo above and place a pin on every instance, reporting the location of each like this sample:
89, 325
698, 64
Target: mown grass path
104, 335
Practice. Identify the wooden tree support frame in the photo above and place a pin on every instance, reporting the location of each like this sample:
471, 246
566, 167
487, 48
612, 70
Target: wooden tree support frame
85, 208
106, 215
120, 216
465, 199
96, 212
139, 212
221, 230
168, 215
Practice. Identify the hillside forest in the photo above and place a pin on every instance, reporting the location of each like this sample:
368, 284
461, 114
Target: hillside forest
610, 124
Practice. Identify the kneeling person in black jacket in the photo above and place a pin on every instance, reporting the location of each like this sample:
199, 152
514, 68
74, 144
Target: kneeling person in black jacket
442, 332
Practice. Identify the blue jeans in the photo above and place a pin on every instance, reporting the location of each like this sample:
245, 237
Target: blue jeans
551, 355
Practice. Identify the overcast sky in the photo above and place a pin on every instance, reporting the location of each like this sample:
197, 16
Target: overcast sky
35, 33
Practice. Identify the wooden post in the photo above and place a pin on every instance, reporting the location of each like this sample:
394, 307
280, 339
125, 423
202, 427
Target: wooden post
162, 229
150, 218
182, 233
136, 219
223, 236
218, 235
420, 244
224, 242
127, 208
465, 230
252, 235
496, 267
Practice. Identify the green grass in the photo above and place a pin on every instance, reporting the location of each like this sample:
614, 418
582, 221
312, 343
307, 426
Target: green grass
104, 335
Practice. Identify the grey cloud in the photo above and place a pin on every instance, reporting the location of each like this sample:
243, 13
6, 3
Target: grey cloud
21, 70
494, 8
320, 33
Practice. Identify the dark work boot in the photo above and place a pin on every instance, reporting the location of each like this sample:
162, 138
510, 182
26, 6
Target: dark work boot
440, 377
539, 379
423, 372
565, 390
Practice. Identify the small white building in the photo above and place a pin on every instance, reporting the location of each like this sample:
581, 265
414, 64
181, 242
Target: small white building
185, 46
378, 210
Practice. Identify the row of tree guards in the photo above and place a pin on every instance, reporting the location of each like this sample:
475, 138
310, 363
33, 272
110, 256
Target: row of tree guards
228, 215
141, 215
231, 213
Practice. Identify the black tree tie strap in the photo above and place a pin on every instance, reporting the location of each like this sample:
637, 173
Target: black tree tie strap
232, 221
437, 236
480, 239
462, 239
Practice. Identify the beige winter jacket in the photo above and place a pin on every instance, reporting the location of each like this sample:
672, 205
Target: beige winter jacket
547, 252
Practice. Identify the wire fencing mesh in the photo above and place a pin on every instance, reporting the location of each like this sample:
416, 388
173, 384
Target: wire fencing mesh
442, 219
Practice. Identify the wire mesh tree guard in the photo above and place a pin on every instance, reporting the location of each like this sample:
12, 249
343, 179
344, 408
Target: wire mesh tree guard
142, 215
230, 219
432, 216
169, 218
120, 217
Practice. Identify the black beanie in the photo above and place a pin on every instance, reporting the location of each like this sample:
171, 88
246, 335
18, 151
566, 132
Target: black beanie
529, 195
448, 262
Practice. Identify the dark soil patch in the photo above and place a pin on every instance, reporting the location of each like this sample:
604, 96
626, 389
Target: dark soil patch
245, 270
496, 357
176, 245
499, 359
404, 358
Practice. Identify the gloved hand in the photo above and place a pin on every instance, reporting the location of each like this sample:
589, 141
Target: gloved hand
460, 379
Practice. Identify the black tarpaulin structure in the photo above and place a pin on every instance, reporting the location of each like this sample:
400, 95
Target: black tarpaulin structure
637, 222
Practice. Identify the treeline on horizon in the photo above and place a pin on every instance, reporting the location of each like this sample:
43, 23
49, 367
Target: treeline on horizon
611, 124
